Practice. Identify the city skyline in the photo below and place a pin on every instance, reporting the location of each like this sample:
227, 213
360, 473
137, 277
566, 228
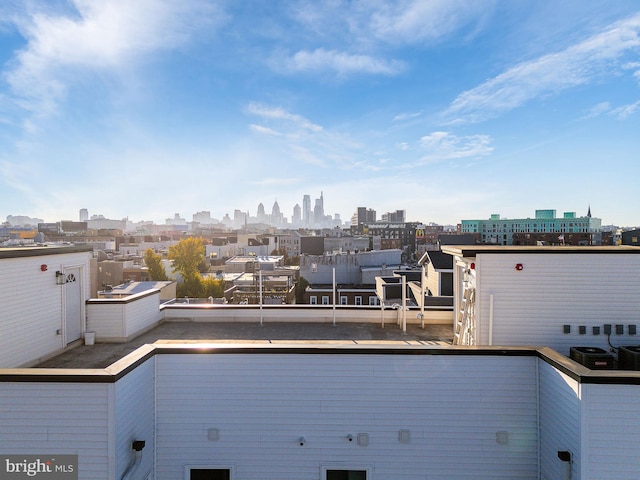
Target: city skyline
450, 110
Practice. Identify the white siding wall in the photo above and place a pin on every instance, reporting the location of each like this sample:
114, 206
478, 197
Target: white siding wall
610, 432
58, 418
135, 417
32, 306
117, 320
262, 403
559, 422
532, 305
433, 280
142, 314
106, 320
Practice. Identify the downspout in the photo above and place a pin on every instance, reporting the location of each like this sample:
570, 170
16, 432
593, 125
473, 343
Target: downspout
491, 319
137, 446
333, 285
423, 280
404, 304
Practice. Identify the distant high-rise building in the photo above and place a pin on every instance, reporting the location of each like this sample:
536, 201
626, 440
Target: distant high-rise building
395, 217
306, 210
276, 215
203, 217
363, 215
262, 216
239, 218
318, 210
546, 227
297, 215
176, 220
84, 214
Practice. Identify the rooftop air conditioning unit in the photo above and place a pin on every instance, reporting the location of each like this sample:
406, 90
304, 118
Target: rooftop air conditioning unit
592, 357
629, 358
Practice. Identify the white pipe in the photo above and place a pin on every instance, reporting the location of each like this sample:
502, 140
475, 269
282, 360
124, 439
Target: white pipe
334, 296
423, 280
404, 304
260, 275
133, 466
490, 319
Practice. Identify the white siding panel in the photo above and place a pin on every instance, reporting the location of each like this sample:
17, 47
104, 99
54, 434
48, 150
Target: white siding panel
57, 418
142, 314
118, 320
32, 307
262, 404
532, 305
135, 417
611, 425
106, 320
559, 421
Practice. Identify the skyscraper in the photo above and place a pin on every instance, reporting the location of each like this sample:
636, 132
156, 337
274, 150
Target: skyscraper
318, 210
306, 210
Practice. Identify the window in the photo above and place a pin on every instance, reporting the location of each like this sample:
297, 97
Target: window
325, 299
358, 300
346, 475
373, 300
343, 300
338, 473
313, 300
203, 473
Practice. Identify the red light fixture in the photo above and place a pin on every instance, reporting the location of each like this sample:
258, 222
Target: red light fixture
43, 268
519, 266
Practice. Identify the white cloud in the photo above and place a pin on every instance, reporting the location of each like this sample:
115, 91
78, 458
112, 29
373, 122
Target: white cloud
390, 21
279, 113
597, 110
102, 35
406, 116
417, 21
447, 146
342, 63
264, 130
576, 65
625, 111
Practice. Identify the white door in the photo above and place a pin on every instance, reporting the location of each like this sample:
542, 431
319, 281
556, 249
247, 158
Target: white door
73, 303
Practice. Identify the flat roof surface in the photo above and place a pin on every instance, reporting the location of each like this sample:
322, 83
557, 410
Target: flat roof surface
473, 250
19, 252
101, 355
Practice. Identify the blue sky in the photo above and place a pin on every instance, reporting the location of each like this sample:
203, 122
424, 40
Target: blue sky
448, 109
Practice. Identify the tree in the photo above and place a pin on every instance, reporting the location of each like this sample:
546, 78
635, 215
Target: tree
213, 287
153, 261
187, 256
301, 287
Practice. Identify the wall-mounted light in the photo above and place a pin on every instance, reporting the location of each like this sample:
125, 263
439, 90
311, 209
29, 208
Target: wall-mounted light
59, 278
301, 441
43, 268
519, 266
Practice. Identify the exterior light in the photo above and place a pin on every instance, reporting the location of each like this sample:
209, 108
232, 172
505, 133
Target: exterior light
59, 278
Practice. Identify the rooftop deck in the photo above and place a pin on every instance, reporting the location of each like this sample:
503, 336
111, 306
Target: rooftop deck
101, 355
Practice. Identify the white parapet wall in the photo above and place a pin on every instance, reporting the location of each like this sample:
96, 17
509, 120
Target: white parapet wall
301, 313
121, 319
